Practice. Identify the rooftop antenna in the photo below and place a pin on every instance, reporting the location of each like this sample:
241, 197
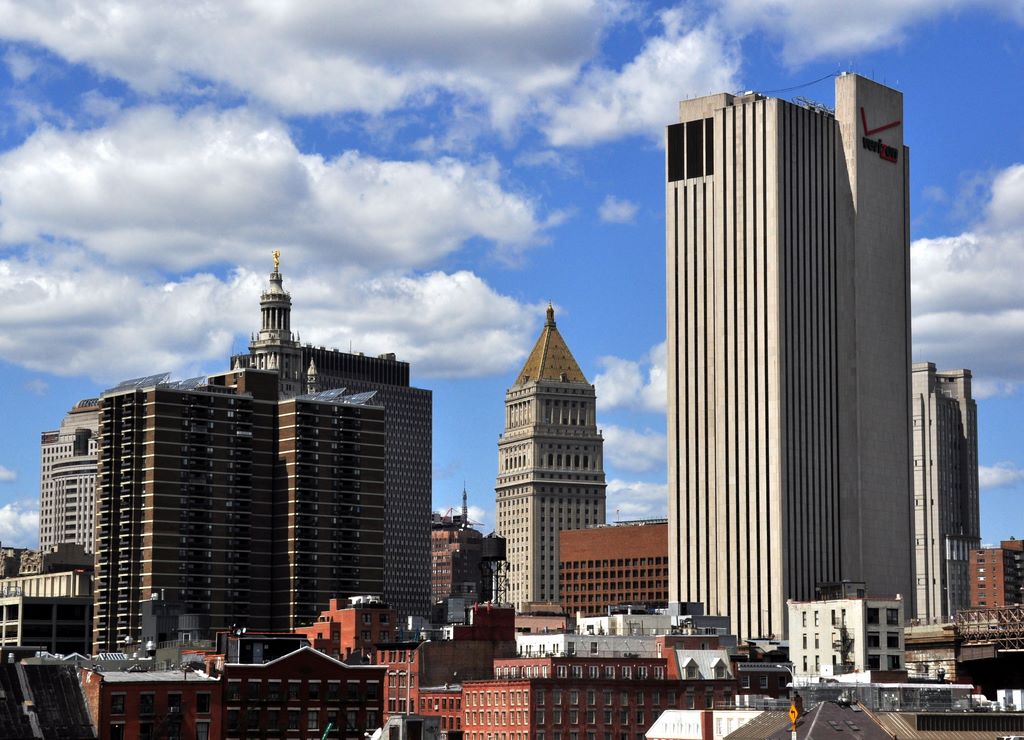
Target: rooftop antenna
465, 506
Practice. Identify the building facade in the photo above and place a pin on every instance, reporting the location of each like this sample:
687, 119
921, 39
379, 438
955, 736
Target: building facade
550, 466
349, 630
947, 519
612, 565
831, 637
67, 479
52, 611
997, 575
305, 369
788, 350
241, 509
455, 552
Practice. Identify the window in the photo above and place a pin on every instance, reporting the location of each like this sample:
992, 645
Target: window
763, 682
314, 690
873, 663
293, 719
873, 640
202, 731
117, 704
146, 704
234, 690
892, 616
203, 704
872, 615
252, 691
892, 640
894, 662
745, 682
293, 689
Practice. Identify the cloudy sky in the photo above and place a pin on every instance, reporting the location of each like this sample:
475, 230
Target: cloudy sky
433, 174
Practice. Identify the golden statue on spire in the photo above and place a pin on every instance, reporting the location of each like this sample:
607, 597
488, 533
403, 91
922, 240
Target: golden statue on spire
277, 259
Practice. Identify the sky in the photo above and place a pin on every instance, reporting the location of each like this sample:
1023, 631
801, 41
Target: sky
433, 174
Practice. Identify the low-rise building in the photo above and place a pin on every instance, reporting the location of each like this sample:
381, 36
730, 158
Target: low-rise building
846, 633
128, 705
301, 694
349, 629
52, 611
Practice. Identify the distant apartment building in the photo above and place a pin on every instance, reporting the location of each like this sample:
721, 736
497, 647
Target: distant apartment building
455, 553
305, 369
550, 466
67, 479
946, 510
997, 574
846, 631
241, 508
612, 565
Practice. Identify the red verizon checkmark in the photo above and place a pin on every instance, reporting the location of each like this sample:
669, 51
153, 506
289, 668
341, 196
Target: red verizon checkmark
869, 131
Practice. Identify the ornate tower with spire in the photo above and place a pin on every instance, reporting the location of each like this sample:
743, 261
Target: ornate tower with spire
275, 347
550, 466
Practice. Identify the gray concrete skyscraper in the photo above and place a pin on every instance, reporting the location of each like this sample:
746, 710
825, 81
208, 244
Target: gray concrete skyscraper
550, 466
788, 350
946, 515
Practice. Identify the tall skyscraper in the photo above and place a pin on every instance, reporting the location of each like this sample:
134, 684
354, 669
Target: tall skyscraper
550, 466
946, 515
788, 350
67, 479
303, 368
238, 507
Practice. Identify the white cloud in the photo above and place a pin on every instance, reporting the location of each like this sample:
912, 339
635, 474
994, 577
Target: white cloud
809, 28
72, 317
37, 386
637, 452
7, 475
967, 303
617, 211
633, 384
627, 500
643, 96
320, 56
1000, 475
207, 187
19, 524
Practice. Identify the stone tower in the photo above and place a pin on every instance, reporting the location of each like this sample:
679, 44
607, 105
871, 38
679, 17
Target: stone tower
550, 466
275, 347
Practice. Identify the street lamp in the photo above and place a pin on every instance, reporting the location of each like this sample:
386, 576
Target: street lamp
789, 669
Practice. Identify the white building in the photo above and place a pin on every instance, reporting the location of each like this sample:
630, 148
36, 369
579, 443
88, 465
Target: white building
839, 636
788, 336
67, 479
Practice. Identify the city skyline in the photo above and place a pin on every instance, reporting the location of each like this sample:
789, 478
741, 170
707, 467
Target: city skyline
430, 201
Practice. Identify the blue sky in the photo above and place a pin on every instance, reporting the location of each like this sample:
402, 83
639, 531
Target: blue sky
433, 174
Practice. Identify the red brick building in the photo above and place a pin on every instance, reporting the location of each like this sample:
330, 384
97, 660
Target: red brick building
158, 704
445, 703
585, 698
997, 574
455, 551
611, 565
352, 627
432, 664
298, 695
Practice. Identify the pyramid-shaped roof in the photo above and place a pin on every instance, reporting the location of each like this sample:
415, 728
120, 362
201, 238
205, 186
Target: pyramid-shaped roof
550, 358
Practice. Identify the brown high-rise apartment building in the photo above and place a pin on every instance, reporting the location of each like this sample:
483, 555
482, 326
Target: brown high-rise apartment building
241, 508
788, 351
303, 368
947, 522
550, 466
67, 479
997, 574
